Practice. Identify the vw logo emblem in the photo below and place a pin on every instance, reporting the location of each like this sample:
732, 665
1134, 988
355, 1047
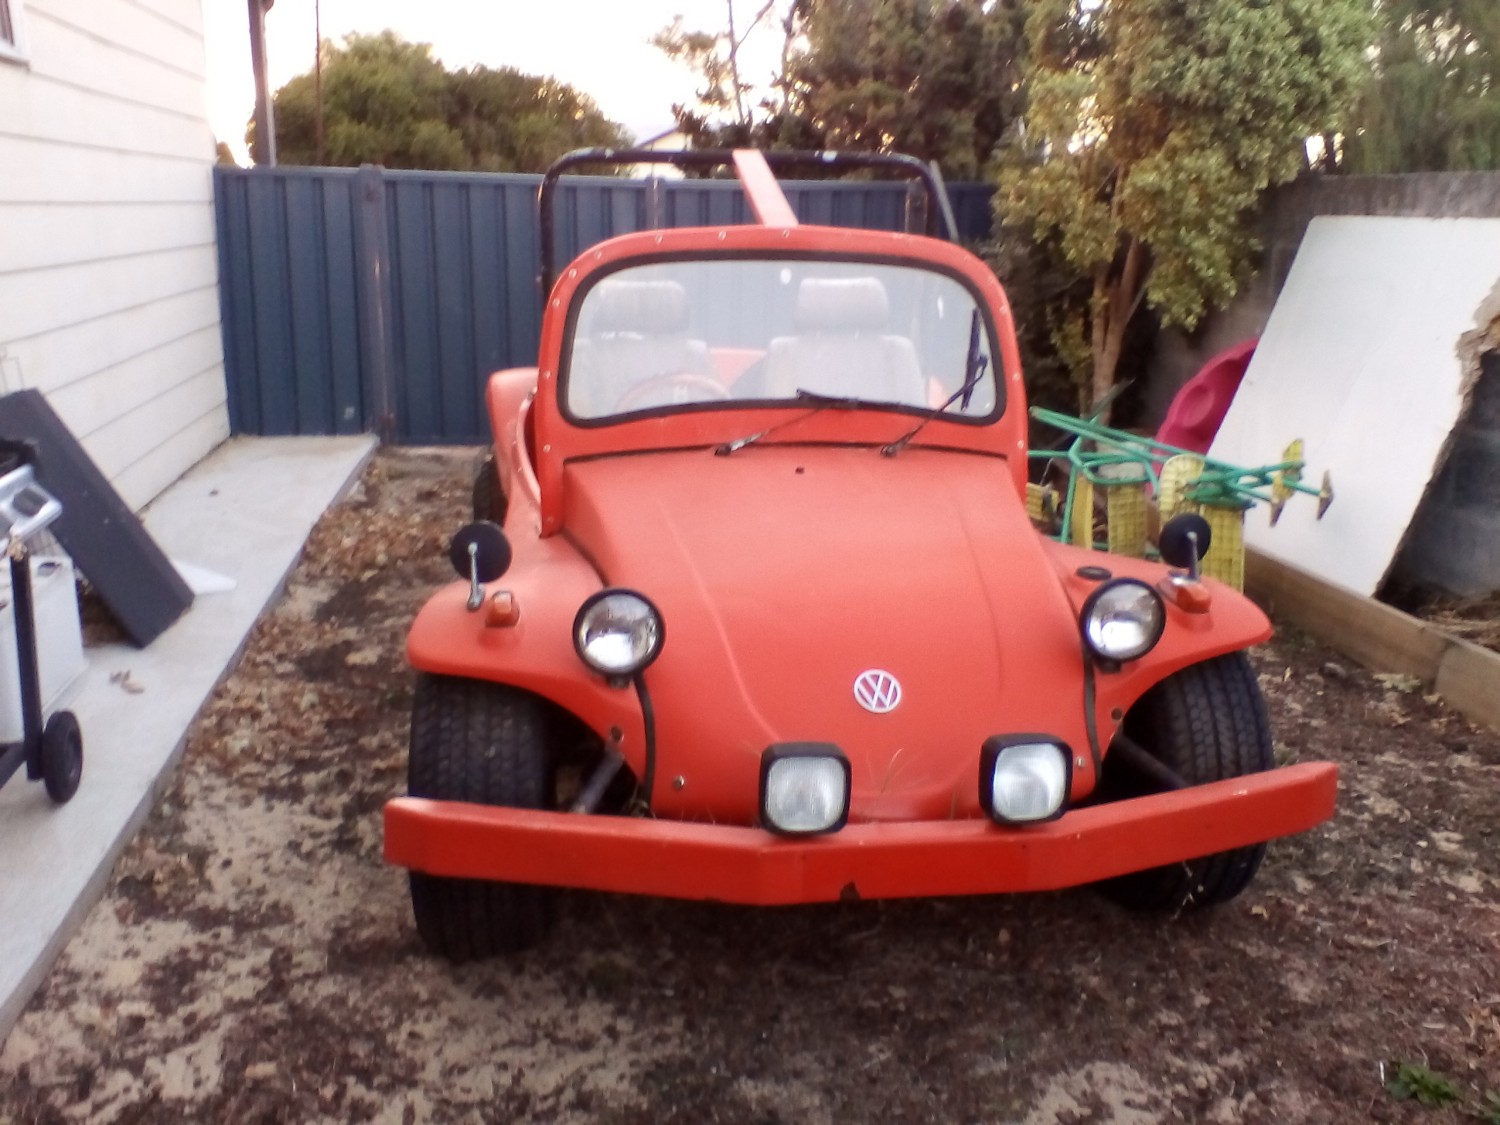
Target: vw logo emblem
877, 691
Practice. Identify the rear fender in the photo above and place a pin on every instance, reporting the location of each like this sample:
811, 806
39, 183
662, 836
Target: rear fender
1232, 623
548, 582
507, 398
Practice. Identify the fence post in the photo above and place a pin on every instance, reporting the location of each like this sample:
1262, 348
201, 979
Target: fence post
372, 278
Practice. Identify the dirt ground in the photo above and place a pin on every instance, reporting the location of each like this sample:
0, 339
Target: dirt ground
253, 960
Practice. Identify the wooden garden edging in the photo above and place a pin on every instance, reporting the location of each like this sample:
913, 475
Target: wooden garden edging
1466, 675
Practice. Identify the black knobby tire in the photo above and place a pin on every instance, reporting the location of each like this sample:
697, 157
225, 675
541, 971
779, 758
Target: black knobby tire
1205, 723
489, 499
62, 756
487, 744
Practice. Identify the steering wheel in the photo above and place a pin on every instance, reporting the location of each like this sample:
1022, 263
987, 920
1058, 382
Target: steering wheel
680, 388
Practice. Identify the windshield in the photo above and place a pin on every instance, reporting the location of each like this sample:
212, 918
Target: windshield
751, 330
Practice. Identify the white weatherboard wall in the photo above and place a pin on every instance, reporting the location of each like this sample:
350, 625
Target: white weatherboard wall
1362, 359
108, 270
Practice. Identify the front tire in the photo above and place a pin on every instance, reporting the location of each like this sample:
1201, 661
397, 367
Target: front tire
1205, 723
488, 498
487, 744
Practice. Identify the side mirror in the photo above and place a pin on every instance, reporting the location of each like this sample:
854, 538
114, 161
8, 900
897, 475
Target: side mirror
1184, 539
480, 552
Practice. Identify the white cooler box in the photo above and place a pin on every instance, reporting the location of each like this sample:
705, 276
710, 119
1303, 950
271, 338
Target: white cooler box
59, 639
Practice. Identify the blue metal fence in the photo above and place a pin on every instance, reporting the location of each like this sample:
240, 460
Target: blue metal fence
360, 300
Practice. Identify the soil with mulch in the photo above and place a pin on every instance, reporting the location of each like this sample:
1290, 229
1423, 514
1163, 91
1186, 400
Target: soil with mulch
254, 960
1471, 619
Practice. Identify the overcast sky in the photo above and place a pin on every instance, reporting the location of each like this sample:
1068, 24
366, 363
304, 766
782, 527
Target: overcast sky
598, 46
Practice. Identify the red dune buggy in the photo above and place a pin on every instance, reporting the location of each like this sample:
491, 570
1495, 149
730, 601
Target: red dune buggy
768, 623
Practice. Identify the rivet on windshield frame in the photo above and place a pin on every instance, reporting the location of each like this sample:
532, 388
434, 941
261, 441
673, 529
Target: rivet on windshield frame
786, 233
1079, 763
723, 234
546, 449
679, 781
572, 274
658, 240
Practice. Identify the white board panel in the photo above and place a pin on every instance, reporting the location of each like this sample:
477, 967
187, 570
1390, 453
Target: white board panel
168, 460
40, 236
40, 301
134, 28
135, 434
55, 361
87, 56
50, 109
1360, 360
94, 402
44, 171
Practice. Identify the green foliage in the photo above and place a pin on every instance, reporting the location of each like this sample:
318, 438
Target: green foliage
1413, 1080
389, 102
1152, 127
938, 79
1432, 103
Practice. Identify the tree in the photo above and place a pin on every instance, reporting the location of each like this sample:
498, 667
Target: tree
1433, 102
1151, 129
938, 79
389, 102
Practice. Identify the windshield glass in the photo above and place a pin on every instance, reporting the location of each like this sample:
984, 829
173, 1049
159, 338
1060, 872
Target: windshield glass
738, 330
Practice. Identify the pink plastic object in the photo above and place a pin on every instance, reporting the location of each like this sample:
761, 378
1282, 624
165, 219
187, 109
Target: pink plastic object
1199, 407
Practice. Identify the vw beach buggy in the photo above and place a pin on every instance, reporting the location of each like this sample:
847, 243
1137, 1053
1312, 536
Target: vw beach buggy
768, 623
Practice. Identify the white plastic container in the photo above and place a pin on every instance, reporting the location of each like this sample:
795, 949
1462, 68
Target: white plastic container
59, 638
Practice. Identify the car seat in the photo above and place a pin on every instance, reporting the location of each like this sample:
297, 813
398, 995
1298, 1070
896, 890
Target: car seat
841, 347
633, 331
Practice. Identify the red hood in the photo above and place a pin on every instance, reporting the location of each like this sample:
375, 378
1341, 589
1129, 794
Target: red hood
784, 572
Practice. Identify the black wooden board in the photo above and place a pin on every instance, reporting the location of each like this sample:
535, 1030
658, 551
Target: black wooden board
107, 543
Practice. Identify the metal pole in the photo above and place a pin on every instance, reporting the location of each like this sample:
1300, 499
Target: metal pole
318, 76
264, 149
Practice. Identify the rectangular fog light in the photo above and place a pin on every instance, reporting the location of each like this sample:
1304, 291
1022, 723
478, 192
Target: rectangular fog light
1024, 779
804, 788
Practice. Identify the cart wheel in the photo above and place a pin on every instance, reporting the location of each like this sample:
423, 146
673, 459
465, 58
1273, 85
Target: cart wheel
1204, 723
484, 743
62, 756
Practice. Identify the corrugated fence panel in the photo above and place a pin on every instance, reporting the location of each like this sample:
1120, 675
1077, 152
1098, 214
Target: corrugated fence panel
376, 300
287, 294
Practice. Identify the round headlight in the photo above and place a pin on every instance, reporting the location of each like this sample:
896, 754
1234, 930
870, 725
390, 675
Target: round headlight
1123, 619
617, 632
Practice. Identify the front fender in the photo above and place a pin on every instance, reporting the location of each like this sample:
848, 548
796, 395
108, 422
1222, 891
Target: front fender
1233, 622
536, 653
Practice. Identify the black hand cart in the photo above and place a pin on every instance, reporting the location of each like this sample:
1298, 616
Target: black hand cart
51, 750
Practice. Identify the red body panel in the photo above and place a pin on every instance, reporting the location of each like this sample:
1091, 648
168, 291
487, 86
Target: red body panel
747, 865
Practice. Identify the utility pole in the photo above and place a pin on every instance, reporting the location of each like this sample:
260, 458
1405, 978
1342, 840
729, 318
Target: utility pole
318, 77
264, 149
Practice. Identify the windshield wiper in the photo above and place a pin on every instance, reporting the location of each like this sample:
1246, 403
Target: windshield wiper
975, 366
820, 402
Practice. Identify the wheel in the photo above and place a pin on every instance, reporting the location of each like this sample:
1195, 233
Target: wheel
489, 499
62, 756
487, 744
676, 389
1204, 723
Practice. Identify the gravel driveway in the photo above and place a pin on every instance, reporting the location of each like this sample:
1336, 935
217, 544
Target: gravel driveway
253, 960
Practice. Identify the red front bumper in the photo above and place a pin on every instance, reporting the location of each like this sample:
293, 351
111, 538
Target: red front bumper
748, 865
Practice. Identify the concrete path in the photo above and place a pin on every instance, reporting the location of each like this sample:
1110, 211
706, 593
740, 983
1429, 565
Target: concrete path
243, 512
